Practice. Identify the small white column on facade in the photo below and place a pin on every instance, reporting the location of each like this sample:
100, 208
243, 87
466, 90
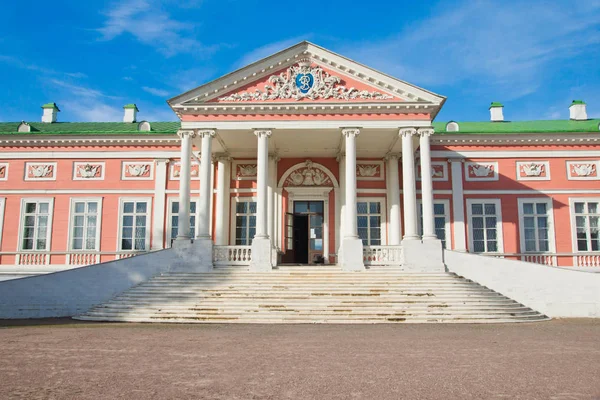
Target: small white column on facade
458, 204
352, 247
408, 184
222, 201
426, 184
393, 194
183, 232
205, 184
261, 244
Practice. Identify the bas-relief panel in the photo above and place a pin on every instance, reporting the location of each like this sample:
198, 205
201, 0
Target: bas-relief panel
137, 170
583, 170
3, 171
369, 170
439, 171
176, 171
533, 170
40, 171
481, 171
88, 171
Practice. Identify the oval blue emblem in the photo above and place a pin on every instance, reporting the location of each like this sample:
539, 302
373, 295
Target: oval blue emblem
305, 82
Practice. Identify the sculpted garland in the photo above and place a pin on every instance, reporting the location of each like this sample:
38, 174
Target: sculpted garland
305, 81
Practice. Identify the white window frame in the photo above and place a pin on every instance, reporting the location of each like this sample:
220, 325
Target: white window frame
122, 200
446, 203
550, 214
72, 222
170, 214
499, 232
232, 230
25, 200
382, 212
572, 201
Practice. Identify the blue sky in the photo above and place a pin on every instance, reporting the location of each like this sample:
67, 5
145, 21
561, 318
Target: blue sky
534, 56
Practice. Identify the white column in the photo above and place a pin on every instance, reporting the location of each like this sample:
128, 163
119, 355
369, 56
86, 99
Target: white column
272, 184
340, 215
393, 193
222, 206
158, 216
408, 184
183, 232
458, 204
426, 184
261, 244
352, 248
205, 184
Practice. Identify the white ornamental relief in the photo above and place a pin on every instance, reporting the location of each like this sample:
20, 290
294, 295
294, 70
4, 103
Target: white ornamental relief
305, 81
533, 169
41, 171
88, 171
308, 176
137, 170
368, 170
482, 171
583, 169
247, 170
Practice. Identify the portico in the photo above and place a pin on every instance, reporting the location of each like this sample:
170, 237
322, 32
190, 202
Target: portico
333, 140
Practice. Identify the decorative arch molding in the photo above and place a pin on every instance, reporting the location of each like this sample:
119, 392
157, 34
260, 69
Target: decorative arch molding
308, 174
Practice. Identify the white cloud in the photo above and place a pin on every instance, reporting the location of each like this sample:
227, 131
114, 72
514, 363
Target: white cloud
506, 45
268, 49
78, 90
155, 91
148, 23
92, 110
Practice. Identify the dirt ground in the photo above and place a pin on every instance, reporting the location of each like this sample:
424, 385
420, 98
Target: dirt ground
64, 359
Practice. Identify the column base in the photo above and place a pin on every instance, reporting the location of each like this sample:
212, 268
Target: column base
351, 255
262, 260
423, 256
193, 257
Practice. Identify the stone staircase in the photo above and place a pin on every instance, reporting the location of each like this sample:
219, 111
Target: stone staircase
323, 294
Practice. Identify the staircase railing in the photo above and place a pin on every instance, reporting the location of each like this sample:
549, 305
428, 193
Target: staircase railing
551, 259
382, 255
232, 255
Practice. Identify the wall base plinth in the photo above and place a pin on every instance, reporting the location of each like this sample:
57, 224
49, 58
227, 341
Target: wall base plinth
423, 256
351, 255
262, 259
193, 257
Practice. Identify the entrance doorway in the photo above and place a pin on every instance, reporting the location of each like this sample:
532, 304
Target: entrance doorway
304, 233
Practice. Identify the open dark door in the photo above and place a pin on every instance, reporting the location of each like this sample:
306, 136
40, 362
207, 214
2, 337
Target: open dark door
288, 257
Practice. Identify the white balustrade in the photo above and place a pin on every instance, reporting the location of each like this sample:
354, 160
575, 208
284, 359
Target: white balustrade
382, 255
232, 255
127, 254
83, 258
588, 260
544, 259
33, 258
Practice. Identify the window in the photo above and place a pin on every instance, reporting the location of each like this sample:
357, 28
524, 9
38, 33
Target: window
245, 221
441, 221
485, 225
535, 216
587, 217
36, 224
368, 215
85, 224
174, 219
135, 229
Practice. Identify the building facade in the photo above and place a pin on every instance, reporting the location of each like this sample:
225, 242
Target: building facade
304, 157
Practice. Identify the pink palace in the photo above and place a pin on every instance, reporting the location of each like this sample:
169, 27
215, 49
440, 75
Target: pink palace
304, 157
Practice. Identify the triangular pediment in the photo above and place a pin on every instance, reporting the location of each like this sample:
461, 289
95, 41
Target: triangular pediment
306, 74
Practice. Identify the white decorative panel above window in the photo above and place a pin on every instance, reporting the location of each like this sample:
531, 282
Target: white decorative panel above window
40, 171
533, 170
88, 171
137, 170
583, 170
481, 171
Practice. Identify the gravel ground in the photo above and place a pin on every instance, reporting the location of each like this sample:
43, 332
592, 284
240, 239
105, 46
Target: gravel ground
64, 359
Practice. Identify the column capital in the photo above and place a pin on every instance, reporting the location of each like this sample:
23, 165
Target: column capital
162, 160
350, 132
206, 132
390, 156
263, 132
186, 132
407, 132
221, 157
425, 131
340, 156
274, 156
455, 160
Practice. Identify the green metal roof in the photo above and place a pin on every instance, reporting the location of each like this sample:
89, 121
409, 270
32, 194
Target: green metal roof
515, 127
496, 104
89, 128
50, 105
